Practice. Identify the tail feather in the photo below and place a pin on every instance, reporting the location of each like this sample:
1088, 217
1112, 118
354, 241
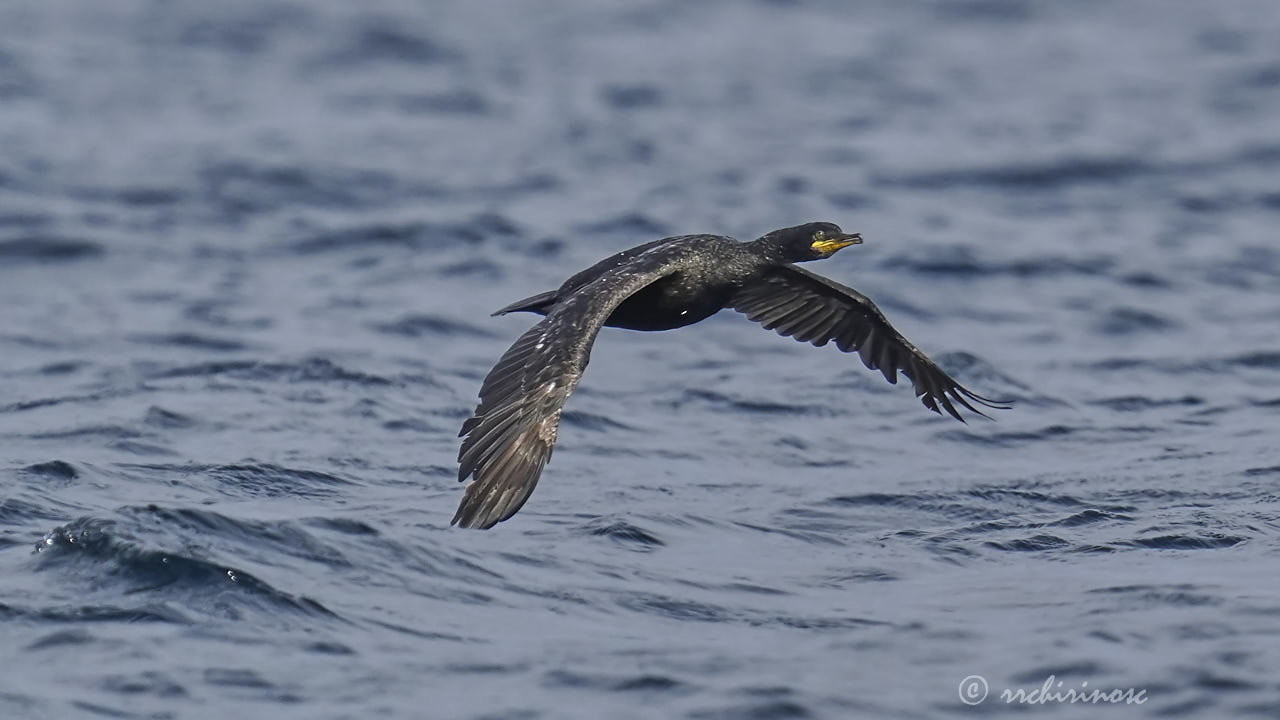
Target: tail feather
539, 304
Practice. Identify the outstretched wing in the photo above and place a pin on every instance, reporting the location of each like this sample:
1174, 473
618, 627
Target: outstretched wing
804, 305
510, 437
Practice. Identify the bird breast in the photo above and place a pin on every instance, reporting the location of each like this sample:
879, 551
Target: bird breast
674, 301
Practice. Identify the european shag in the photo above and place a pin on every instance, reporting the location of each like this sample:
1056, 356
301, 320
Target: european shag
661, 285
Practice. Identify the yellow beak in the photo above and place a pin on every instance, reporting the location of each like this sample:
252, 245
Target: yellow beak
831, 244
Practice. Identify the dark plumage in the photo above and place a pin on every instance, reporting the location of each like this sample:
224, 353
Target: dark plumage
662, 285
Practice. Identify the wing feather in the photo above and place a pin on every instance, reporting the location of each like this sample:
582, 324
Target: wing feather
509, 439
795, 302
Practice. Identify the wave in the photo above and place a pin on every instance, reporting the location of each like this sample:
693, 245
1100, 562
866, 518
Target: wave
105, 558
1042, 175
248, 479
624, 533
413, 235
966, 262
416, 325
48, 249
191, 341
311, 369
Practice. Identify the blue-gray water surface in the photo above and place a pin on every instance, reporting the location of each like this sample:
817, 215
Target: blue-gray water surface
247, 254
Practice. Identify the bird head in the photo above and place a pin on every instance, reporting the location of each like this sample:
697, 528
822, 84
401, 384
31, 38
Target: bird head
811, 241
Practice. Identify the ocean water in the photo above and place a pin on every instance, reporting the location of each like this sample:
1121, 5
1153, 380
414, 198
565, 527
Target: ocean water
247, 254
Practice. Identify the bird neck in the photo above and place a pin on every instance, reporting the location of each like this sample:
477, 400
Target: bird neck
769, 248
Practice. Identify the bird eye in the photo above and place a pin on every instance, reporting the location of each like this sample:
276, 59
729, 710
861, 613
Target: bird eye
819, 235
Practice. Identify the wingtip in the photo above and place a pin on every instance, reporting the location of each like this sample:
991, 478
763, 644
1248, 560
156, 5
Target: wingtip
468, 518
964, 394
988, 402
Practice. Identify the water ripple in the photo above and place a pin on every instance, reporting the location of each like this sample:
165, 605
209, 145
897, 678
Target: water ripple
95, 548
1046, 175
48, 249
625, 534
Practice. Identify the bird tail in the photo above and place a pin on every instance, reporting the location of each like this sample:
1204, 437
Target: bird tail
539, 304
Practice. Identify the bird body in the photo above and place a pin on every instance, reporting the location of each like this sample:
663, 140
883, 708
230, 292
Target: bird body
696, 286
662, 285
